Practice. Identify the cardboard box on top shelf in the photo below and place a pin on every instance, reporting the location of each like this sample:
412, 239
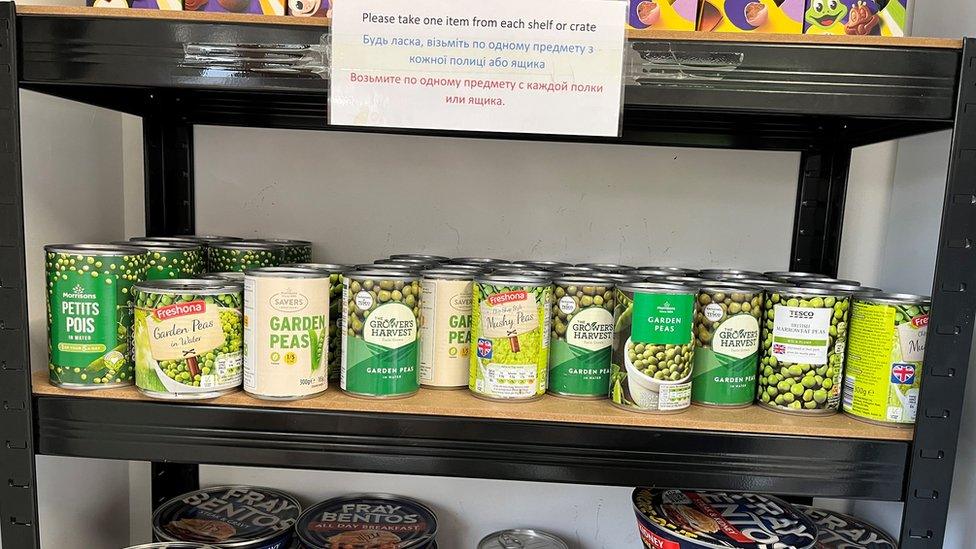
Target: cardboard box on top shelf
168, 5
662, 14
781, 16
310, 8
856, 17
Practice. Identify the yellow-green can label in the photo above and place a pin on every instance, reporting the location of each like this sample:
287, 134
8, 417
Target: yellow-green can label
884, 361
509, 341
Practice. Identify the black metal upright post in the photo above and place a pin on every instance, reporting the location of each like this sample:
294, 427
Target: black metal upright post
950, 333
18, 491
168, 146
819, 216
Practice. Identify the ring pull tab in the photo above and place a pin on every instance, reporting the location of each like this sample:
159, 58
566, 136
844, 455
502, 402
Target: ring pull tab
509, 541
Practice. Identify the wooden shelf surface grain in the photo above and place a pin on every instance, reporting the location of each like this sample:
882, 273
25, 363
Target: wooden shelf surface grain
459, 403
792, 39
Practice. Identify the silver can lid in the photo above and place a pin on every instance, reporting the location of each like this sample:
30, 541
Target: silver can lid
521, 538
892, 298
785, 276
607, 267
825, 280
522, 271
843, 286
208, 238
658, 287
448, 273
618, 278
581, 280
435, 258
477, 260
94, 249
189, 286
286, 272
285, 241
665, 270
574, 269
248, 245
236, 276
514, 280
161, 245
382, 274
544, 264
330, 267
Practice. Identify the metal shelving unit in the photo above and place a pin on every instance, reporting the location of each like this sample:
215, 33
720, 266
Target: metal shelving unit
818, 96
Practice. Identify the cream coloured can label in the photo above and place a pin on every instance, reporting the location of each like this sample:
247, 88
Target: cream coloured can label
445, 333
286, 327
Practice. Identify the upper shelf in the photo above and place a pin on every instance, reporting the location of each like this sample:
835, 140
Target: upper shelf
451, 433
702, 89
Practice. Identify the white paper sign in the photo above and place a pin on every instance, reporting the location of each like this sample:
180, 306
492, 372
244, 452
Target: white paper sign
540, 66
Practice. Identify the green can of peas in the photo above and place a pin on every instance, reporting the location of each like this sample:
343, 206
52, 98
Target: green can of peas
166, 260
582, 335
187, 338
653, 348
295, 251
804, 343
510, 327
89, 313
380, 343
243, 255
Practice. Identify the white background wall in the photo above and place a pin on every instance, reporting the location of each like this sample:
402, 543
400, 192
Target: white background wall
646, 205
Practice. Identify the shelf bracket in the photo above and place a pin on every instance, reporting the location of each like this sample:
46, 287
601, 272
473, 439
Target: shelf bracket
18, 490
819, 215
168, 154
173, 479
950, 333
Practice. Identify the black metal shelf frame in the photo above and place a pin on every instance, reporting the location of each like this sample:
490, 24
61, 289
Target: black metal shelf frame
821, 100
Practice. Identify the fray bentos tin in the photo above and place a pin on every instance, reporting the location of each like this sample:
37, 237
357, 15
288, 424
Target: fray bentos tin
286, 325
238, 517
367, 521
510, 320
89, 313
840, 531
685, 519
653, 348
380, 344
187, 338
885, 349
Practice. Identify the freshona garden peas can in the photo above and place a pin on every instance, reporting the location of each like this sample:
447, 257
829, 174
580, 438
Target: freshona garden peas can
510, 320
335, 312
225, 517
89, 313
804, 339
686, 519
294, 251
166, 260
840, 531
884, 357
582, 335
653, 348
286, 332
445, 328
243, 255
380, 347
726, 344
187, 338
367, 520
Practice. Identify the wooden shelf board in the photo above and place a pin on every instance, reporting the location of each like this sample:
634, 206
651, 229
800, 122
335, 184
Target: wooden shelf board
460, 403
789, 39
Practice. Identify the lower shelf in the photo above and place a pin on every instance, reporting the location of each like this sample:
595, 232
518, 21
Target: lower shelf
454, 434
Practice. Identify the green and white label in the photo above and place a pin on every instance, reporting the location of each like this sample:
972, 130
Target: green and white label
725, 373
581, 361
663, 318
83, 321
383, 362
801, 334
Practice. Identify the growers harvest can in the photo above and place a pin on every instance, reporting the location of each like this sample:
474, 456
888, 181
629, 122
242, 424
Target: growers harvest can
884, 357
582, 334
726, 344
510, 337
380, 312
653, 351
89, 313
286, 331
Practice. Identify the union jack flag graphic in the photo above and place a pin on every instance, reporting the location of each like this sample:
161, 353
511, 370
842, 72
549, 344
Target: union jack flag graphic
779, 348
902, 373
484, 348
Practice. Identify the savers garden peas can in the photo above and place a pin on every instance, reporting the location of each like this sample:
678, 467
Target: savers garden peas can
510, 327
804, 342
89, 313
445, 328
884, 357
726, 344
653, 347
286, 332
335, 311
582, 335
187, 338
380, 343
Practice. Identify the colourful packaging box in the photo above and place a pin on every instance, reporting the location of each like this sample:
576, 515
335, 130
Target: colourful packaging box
856, 17
782, 16
310, 8
168, 5
261, 7
658, 14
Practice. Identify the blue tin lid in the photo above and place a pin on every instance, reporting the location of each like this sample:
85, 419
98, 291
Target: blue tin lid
367, 520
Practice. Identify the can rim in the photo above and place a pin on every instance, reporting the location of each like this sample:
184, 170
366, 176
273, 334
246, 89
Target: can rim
163, 536
385, 274
207, 238
161, 245
419, 256
517, 280
331, 267
839, 286
477, 260
619, 277
826, 280
671, 288
248, 245
618, 267
104, 249
286, 272
792, 289
567, 280
445, 273
720, 285
539, 534
545, 263
894, 297
539, 273
677, 271
174, 285
284, 241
